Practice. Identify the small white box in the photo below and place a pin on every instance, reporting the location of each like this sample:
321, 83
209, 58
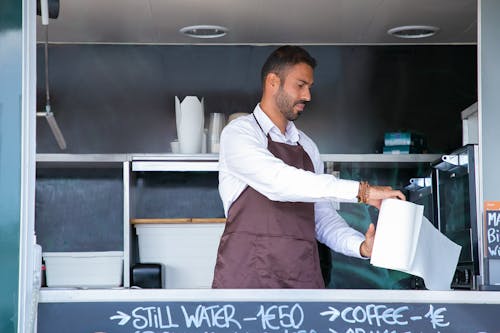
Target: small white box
84, 269
470, 125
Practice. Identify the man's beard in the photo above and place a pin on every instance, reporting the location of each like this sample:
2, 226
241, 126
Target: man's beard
285, 105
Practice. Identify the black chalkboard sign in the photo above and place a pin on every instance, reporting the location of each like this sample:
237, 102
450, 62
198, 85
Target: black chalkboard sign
266, 317
492, 228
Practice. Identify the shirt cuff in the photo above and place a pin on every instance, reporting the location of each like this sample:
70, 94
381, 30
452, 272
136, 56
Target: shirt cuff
355, 246
350, 190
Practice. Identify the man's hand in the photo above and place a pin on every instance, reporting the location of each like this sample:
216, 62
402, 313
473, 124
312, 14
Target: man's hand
367, 246
376, 194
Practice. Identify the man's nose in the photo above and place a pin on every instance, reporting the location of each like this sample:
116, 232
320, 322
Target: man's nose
306, 95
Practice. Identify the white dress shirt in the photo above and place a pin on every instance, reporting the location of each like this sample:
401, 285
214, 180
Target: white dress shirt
244, 160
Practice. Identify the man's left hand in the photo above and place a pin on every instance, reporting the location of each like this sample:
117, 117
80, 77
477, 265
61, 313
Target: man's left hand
367, 246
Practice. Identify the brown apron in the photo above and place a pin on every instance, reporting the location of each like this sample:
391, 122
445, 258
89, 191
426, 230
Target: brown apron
270, 244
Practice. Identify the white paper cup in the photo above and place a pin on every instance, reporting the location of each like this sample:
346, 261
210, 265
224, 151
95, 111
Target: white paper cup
214, 147
175, 147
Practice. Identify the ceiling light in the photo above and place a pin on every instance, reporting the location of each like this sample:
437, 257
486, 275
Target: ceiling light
204, 31
413, 31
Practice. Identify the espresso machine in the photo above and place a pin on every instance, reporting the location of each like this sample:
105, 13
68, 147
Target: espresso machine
457, 213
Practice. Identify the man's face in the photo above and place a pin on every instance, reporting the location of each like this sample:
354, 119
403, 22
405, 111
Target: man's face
294, 91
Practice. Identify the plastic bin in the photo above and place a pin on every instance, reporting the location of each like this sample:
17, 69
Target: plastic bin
186, 251
84, 269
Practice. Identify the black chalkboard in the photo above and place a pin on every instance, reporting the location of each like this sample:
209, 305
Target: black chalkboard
492, 228
260, 317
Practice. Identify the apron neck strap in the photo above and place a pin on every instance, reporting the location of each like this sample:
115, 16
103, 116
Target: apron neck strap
253, 114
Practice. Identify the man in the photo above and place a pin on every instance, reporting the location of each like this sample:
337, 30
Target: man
275, 195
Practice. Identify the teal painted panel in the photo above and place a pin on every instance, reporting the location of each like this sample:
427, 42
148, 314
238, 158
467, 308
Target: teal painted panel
490, 77
10, 158
10, 15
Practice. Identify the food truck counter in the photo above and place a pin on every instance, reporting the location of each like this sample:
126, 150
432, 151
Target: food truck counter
207, 310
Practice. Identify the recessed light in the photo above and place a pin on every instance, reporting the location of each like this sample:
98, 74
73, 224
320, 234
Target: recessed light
204, 31
413, 31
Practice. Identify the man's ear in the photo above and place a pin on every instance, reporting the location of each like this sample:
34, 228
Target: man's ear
273, 81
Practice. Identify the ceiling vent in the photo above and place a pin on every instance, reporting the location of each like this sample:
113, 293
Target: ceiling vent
413, 31
204, 31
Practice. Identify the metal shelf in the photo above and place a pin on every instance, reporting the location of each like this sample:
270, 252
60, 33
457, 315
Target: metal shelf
174, 157
209, 162
175, 162
175, 166
380, 158
84, 158
80, 160
206, 162
396, 158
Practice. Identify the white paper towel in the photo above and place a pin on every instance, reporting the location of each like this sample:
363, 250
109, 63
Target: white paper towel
406, 241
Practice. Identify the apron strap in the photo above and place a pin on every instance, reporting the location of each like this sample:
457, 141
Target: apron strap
268, 136
253, 114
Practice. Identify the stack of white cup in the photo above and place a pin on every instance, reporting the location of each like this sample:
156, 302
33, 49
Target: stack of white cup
215, 125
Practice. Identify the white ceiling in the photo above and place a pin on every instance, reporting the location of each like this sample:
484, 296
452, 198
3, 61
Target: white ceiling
261, 21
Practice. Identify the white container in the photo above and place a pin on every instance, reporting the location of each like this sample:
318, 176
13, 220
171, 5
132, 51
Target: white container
190, 121
186, 251
84, 269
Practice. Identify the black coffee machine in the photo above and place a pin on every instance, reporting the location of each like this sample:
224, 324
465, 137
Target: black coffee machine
457, 213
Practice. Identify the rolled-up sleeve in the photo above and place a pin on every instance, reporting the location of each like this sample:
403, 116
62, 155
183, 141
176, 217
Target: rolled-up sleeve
248, 159
333, 231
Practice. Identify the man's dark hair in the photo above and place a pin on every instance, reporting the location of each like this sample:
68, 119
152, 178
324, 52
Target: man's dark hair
284, 57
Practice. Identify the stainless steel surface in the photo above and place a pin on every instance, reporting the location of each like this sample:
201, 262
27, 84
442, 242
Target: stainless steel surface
380, 158
271, 295
479, 216
419, 183
263, 22
174, 157
174, 166
127, 228
56, 131
376, 158
82, 157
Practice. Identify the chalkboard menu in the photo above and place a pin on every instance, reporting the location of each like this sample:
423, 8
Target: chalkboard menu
492, 228
266, 317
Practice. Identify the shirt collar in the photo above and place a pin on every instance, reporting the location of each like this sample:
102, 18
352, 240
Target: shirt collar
291, 132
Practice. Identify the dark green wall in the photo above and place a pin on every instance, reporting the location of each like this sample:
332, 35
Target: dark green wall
10, 158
